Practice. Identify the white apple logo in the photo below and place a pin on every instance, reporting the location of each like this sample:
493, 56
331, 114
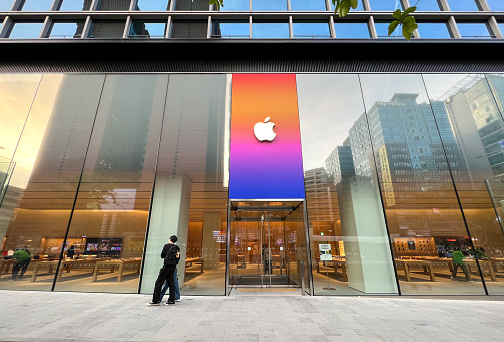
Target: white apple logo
264, 130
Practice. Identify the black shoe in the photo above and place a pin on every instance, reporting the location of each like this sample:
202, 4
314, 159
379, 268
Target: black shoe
169, 303
153, 303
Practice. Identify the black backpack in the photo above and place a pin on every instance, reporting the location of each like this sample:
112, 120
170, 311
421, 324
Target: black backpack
173, 255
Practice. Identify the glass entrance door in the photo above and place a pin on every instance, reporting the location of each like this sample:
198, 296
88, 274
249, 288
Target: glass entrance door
267, 245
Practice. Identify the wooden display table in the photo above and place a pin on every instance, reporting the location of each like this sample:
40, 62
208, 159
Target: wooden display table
189, 261
406, 263
120, 263
38, 264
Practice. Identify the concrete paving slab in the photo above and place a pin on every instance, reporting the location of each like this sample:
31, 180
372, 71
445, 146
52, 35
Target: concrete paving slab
69, 316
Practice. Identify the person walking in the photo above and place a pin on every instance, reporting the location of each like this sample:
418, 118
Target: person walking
171, 256
457, 257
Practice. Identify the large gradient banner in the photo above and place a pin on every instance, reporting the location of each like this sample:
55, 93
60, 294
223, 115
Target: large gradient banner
265, 159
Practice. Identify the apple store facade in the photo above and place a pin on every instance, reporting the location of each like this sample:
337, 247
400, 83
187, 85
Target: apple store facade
320, 183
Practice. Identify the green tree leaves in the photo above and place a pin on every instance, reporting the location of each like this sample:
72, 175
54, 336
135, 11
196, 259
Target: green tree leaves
407, 21
342, 7
217, 3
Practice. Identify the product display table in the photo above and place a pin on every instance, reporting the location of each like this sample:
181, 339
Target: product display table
407, 263
38, 264
336, 263
120, 263
5, 265
189, 261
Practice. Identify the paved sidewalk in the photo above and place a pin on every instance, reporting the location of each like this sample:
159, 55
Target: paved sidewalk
56, 316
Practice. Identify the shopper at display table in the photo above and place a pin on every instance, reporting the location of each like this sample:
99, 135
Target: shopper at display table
458, 261
22, 257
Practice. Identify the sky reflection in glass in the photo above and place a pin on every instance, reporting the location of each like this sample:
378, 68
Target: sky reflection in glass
270, 30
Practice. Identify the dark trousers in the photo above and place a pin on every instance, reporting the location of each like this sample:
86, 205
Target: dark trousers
464, 268
21, 265
165, 274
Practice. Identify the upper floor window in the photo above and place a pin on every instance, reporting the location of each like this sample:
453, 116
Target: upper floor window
269, 5
5, 5
36, 5
75, 5
66, 29
462, 5
25, 30
152, 5
495, 5
474, 30
308, 5
114, 5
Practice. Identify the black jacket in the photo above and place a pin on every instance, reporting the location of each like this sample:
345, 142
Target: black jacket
166, 248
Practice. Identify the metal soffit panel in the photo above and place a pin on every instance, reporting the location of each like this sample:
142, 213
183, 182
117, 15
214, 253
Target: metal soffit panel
277, 56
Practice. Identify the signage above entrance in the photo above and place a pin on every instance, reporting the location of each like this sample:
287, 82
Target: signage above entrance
265, 159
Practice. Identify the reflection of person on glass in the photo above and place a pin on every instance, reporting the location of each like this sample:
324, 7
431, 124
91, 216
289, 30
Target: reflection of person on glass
266, 258
22, 256
458, 261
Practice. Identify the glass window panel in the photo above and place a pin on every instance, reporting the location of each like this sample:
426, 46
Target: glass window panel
235, 5
382, 31
26, 30
351, 30
37, 5
308, 5
360, 6
495, 5
427, 5
190, 197
152, 5
192, 5
107, 29
66, 29
42, 189
110, 216
223, 29
473, 30
189, 29
270, 30
311, 30
114, 5
433, 30
462, 5
16, 94
385, 5
424, 218
145, 29
269, 5
474, 128
75, 5
5, 5
343, 198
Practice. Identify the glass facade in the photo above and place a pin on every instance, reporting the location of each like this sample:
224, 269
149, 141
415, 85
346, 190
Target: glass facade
403, 184
438, 19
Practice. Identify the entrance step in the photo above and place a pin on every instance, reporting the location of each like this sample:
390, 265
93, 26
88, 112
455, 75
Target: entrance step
264, 292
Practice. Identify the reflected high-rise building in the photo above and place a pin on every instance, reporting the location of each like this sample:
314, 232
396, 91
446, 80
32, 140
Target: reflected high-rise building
478, 124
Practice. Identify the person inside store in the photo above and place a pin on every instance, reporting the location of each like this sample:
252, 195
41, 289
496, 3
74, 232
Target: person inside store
266, 259
22, 258
171, 256
458, 261
480, 253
